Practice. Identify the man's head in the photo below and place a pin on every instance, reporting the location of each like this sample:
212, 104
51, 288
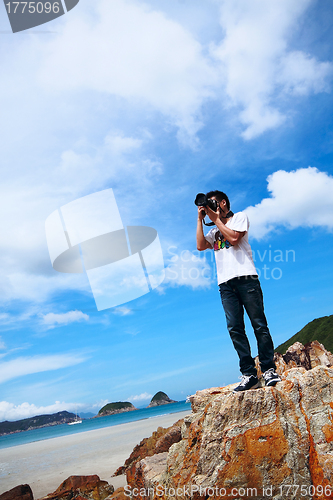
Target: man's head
219, 196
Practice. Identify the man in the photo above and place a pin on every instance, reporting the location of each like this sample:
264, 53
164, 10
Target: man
239, 288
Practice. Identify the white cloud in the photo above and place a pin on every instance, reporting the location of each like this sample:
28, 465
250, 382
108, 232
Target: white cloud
25, 266
33, 287
118, 144
140, 397
22, 366
301, 74
11, 412
148, 62
131, 51
2, 344
122, 311
188, 269
301, 198
51, 320
256, 63
5, 318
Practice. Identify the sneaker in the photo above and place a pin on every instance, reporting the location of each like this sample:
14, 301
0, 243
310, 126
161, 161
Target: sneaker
247, 382
271, 377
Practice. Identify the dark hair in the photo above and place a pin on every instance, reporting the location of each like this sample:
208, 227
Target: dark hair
219, 195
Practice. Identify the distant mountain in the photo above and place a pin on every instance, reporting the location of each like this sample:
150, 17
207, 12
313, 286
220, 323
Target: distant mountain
112, 408
27, 424
159, 399
86, 415
320, 329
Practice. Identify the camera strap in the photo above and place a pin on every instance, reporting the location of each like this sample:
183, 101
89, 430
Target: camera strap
229, 214
208, 223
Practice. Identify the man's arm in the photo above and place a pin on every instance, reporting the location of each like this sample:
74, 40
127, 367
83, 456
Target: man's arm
230, 234
202, 243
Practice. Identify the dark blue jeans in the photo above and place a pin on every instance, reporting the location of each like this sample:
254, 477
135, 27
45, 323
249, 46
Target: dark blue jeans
237, 294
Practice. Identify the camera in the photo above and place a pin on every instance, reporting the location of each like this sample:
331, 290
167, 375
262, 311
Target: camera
201, 200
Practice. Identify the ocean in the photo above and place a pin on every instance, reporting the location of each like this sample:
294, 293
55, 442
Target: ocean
91, 424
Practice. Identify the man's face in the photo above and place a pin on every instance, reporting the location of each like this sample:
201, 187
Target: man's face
223, 207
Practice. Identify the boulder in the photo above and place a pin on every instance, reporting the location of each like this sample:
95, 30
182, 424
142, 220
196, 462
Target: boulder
82, 488
308, 355
158, 442
173, 435
22, 492
259, 441
119, 494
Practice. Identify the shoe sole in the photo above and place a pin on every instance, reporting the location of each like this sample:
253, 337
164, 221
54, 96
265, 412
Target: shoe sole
272, 382
255, 386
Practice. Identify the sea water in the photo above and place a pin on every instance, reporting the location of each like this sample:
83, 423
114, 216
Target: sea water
91, 424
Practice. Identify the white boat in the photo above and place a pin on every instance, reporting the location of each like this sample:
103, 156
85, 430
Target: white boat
76, 421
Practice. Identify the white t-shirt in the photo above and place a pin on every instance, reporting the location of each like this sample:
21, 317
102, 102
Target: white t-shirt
232, 261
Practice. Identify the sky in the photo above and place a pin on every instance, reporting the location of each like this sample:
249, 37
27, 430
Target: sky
159, 101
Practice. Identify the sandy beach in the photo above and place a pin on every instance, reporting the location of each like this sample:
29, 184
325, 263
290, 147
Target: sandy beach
45, 464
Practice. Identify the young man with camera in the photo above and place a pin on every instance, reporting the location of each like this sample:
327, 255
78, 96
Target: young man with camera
239, 285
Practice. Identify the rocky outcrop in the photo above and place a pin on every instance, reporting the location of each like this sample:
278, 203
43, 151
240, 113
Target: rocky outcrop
308, 355
160, 441
82, 488
22, 492
119, 494
253, 444
159, 399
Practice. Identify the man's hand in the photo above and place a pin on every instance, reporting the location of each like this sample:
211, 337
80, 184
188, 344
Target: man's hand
202, 243
201, 213
214, 216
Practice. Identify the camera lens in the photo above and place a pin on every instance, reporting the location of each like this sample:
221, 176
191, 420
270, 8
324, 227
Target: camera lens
201, 200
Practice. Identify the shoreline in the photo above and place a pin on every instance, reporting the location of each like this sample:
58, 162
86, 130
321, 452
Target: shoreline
39, 437
45, 464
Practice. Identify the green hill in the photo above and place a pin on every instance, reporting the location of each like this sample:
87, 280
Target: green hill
116, 407
62, 417
159, 399
320, 329
160, 396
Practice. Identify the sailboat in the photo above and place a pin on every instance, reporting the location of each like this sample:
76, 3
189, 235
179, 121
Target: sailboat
77, 419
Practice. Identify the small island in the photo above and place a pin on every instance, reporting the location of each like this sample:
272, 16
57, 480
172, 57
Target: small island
118, 407
159, 399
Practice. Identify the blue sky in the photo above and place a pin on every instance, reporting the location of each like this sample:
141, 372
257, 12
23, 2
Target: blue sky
160, 102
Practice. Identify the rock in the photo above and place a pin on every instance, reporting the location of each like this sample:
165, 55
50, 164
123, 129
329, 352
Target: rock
22, 492
149, 471
308, 355
159, 399
270, 437
82, 488
119, 494
159, 441
145, 448
173, 435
